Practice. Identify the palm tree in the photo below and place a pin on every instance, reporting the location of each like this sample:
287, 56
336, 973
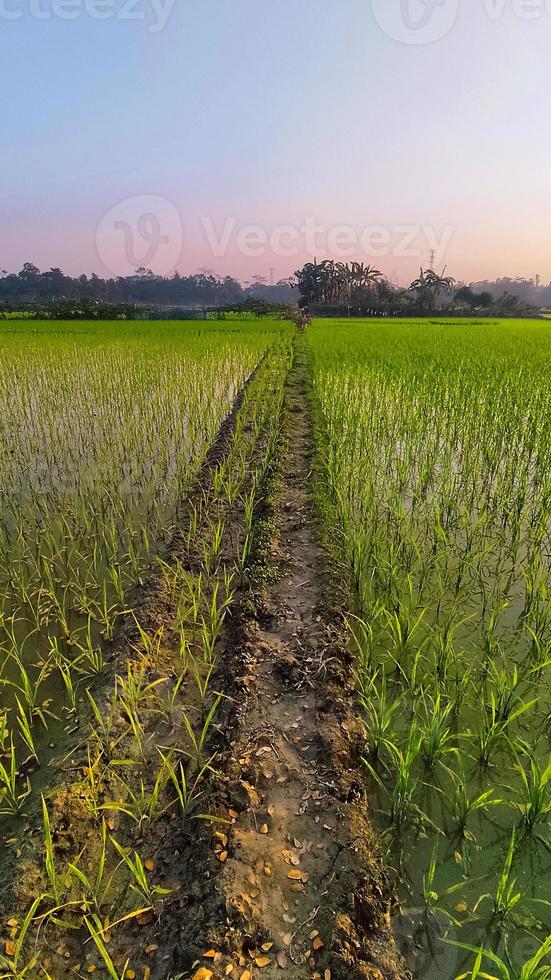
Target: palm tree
358, 276
429, 284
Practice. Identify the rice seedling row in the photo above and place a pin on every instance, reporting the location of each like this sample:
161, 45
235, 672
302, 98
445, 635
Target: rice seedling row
126, 681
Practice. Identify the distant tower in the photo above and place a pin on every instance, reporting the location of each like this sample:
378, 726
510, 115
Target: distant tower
538, 281
432, 259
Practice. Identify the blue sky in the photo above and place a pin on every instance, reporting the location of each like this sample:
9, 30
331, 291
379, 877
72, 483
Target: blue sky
267, 114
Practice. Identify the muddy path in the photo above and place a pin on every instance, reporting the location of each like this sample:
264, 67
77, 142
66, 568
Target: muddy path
299, 890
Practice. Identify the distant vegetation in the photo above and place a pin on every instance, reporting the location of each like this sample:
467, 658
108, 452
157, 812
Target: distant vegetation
325, 288
337, 287
144, 294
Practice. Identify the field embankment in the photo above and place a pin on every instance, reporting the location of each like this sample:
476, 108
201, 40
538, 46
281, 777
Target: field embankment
300, 890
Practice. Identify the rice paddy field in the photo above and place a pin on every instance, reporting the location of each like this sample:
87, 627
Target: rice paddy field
103, 431
138, 466
435, 444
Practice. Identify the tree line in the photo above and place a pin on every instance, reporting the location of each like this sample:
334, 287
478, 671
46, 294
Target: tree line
356, 286
31, 287
352, 288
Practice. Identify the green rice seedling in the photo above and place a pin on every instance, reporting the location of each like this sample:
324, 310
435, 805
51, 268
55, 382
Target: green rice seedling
534, 802
151, 644
437, 738
91, 660
28, 689
93, 890
467, 804
442, 647
505, 685
71, 689
132, 687
507, 895
531, 969
460, 689
494, 733
96, 930
137, 729
117, 582
4, 731
202, 674
190, 601
216, 541
540, 651
25, 729
104, 730
363, 635
244, 556
143, 805
198, 740
184, 648
57, 599
432, 898
380, 713
107, 613
188, 792
139, 880
403, 766
170, 697
12, 965
12, 797
403, 625
93, 782
172, 575
212, 623
56, 883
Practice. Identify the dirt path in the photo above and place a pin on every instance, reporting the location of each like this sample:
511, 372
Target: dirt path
303, 891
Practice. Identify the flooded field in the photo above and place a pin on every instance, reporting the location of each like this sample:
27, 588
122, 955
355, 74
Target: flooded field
435, 444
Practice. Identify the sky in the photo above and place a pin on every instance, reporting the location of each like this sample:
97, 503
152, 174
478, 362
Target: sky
249, 136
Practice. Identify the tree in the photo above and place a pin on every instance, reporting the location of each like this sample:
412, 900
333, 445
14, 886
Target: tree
331, 282
485, 300
466, 295
429, 285
359, 278
475, 301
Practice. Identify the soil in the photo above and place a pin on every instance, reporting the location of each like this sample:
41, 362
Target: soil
300, 890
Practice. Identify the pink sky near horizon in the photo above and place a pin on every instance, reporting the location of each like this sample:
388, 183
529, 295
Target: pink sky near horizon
268, 117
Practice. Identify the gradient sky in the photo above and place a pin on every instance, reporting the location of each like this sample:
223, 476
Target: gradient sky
270, 113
